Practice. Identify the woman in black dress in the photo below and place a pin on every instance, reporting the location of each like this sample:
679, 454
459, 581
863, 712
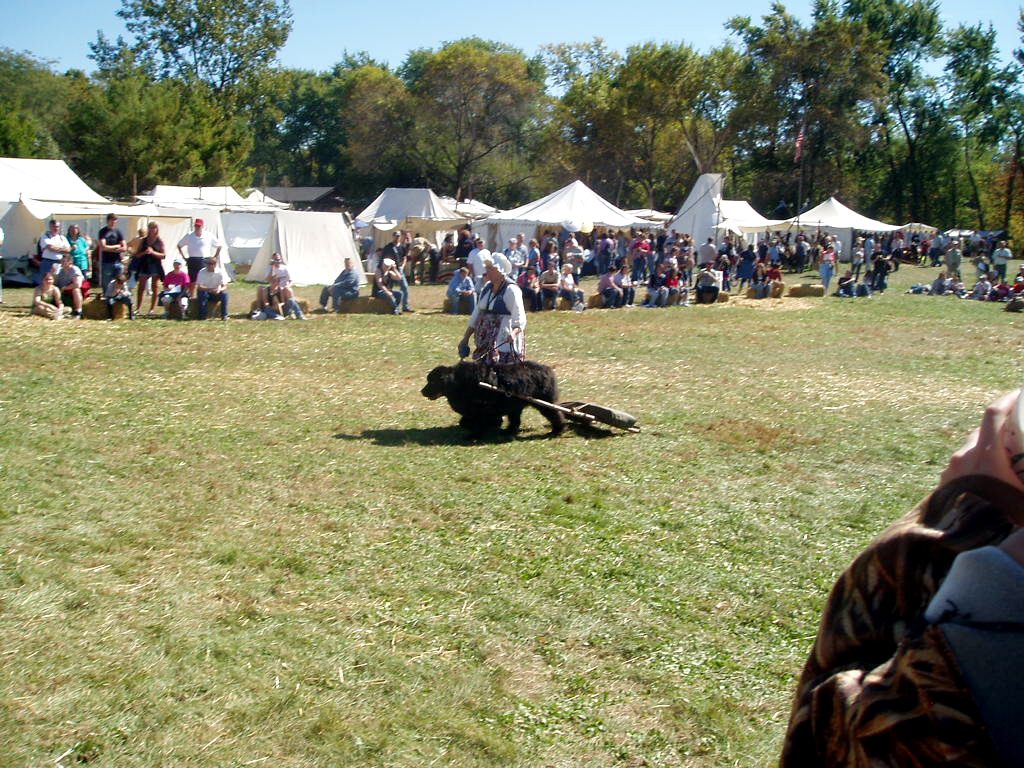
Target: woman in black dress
151, 271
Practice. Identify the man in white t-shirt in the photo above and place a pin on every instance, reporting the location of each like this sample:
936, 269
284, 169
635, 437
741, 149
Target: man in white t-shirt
1000, 258
475, 262
707, 253
201, 245
53, 246
212, 286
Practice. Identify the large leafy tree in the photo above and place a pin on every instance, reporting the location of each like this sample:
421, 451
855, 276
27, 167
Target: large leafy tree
472, 101
226, 44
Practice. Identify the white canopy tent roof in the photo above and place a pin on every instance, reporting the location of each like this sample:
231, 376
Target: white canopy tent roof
838, 220
314, 246
215, 198
43, 180
414, 209
699, 215
575, 207
832, 214
471, 209
650, 215
739, 217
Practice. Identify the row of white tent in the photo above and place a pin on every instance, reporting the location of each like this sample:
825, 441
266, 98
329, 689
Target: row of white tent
252, 228
316, 244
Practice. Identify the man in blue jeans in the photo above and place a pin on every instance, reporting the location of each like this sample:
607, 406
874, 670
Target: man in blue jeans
462, 293
212, 287
345, 288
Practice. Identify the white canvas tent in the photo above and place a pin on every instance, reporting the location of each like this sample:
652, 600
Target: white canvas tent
415, 209
835, 218
740, 218
575, 207
650, 214
698, 215
33, 191
241, 223
314, 245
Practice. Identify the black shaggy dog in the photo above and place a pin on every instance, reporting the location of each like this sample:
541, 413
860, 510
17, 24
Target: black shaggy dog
481, 409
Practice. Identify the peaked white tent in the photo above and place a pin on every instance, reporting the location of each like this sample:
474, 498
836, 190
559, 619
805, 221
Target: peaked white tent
650, 215
835, 218
575, 207
405, 208
739, 217
314, 246
699, 214
33, 191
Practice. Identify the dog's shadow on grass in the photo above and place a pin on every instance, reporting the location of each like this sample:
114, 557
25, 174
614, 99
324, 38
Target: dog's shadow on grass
452, 435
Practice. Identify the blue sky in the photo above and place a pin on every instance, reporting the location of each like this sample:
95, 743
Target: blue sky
322, 30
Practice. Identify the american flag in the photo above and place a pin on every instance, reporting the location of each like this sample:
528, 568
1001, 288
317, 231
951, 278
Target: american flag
800, 138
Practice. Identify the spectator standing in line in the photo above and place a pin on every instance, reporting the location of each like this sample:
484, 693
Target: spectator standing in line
52, 246
1000, 258
200, 244
707, 254
79, 250
110, 249
150, 265
954, 257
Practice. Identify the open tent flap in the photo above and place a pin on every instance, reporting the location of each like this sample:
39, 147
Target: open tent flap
314, 246
244, 234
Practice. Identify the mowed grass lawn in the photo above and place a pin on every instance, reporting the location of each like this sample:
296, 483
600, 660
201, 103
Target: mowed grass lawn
257, 544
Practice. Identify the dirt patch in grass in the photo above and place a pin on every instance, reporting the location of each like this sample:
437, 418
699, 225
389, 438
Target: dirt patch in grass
785, 304
745, 434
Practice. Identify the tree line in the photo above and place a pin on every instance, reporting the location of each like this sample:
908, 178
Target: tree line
898, 116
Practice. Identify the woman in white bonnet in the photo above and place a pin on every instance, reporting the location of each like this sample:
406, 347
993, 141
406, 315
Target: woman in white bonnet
498, 322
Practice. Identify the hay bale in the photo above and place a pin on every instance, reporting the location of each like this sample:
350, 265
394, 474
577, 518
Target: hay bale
596, 301
723, 296
778, 289
96, 309
564, 303
806, 289
365, 305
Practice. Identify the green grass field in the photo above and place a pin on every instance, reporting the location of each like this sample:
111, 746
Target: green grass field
256, 544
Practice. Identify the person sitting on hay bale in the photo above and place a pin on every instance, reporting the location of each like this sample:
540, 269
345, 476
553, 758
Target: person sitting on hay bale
72, 284
118, 292
625, 282
611, 292
529, 284
212, 287
549, 287
177, 285
46, 301
708, 285
386, 280
569, 289
461, 293
277, 294
344, 288
678, 291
